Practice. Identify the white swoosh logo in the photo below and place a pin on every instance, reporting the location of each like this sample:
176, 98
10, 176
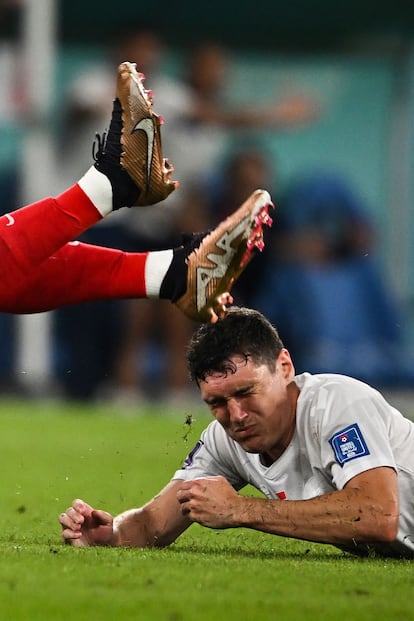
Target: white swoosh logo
10, 219
146, 125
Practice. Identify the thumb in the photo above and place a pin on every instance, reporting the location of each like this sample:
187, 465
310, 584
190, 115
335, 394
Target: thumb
103, 518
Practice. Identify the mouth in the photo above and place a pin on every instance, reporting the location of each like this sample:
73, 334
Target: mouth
244, 432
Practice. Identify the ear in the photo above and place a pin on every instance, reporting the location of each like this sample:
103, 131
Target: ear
285, 363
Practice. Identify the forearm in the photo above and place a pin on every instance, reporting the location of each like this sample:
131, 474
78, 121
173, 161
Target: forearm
134, 529
234, 118
156, 524
278, 115
338, 518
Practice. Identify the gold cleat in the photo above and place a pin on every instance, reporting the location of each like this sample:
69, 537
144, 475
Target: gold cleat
221, 256
130, 154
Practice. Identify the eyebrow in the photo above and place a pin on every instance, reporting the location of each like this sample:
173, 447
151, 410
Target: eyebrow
237, 393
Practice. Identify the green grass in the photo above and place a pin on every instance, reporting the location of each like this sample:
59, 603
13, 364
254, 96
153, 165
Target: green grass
51, 453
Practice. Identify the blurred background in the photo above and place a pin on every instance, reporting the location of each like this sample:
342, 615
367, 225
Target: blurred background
313, 101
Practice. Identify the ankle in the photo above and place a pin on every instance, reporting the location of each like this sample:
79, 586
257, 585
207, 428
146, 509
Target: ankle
157, 270
97, 188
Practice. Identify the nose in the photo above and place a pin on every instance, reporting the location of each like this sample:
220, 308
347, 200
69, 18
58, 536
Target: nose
235, 410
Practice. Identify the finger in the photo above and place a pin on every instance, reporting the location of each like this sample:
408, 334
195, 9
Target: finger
213, 316
73, 539
82, 507
68, 535
72, 522
75, 516
185, 509
186, 485
182, 496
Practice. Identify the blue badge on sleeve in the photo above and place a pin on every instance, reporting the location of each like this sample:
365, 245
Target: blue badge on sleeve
348, 444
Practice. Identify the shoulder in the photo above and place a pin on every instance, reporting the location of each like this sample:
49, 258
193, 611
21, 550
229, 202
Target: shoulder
328, 401
327, 386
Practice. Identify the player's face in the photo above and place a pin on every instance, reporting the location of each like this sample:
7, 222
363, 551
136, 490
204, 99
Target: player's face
255, 405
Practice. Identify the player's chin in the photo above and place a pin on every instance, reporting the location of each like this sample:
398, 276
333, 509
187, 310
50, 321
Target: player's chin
251, 444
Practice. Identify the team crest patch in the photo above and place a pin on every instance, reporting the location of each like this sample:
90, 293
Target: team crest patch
348, 444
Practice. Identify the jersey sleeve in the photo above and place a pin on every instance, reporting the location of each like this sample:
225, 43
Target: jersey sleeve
213, 455
354, 436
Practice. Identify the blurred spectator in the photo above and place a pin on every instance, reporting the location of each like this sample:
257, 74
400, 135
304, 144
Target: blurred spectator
203, 121
194, 136
325, 291
84, 364
198, 121
245, 170
195, 139
150, 361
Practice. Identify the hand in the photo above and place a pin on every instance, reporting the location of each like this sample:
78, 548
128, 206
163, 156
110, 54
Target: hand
211, 502
293, 110
84, 526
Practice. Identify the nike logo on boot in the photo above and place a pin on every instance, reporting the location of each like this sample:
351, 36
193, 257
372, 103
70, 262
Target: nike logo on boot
147, 126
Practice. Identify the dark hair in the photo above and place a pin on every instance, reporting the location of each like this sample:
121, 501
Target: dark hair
242, 332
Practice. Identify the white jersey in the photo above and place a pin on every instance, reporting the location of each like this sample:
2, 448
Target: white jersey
343, 427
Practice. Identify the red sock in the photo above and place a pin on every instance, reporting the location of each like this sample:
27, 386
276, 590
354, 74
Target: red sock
78, 273
30, 235
40, 270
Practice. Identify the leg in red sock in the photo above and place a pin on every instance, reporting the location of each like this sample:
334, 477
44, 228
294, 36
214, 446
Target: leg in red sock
77, 273
30, 235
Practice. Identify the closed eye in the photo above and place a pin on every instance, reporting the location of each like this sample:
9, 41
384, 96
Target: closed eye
215, 403
245, 392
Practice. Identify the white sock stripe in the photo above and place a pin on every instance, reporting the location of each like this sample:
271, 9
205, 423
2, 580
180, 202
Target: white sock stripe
98, 189
156, 267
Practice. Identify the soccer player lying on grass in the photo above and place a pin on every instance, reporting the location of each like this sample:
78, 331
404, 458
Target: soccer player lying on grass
41, 268
334, 460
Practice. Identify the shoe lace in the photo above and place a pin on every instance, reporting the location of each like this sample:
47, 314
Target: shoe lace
98, 146
108, 144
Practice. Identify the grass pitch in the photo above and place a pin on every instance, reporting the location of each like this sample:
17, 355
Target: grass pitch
51, 453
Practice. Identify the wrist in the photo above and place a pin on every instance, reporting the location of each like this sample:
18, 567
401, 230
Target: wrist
242, 512
248, 512
115, 540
